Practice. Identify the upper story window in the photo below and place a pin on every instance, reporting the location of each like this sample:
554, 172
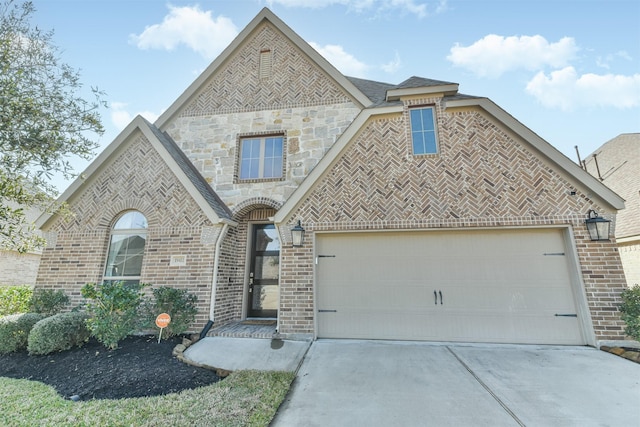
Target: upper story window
423, 130
261, 157
126, 247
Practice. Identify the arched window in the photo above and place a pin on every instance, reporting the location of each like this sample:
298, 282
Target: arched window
126, 247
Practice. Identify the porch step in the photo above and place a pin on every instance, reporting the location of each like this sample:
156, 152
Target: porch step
245, 329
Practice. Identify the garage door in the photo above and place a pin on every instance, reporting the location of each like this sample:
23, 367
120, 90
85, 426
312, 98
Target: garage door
503, 286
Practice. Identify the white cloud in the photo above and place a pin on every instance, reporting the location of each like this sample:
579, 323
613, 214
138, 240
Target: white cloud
494, 55
567, 90
189, 26
624, 55
343, 61
120, 117
392, 66
603, 62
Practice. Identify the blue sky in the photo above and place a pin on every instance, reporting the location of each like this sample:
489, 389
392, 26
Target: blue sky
567, 69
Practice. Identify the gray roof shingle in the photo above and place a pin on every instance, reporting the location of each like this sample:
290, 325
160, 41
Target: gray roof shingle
192, 173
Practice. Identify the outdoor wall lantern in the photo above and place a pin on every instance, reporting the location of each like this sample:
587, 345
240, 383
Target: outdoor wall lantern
597, 226
297, 235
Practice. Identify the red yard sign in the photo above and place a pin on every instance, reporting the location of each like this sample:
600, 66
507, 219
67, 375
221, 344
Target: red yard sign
162, 321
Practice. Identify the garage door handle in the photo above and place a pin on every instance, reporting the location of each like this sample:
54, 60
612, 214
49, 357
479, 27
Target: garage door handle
440, 292
435, 295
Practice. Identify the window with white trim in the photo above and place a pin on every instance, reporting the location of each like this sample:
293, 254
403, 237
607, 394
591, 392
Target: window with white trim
423, 130
261, 157
126, 248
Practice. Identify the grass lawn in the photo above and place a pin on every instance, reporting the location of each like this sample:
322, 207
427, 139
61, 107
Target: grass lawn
244, 398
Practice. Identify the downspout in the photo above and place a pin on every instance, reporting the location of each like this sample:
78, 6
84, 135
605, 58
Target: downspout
214, 283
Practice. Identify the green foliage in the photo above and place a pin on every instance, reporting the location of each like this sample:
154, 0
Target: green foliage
14, 299
113, 310
48, 301
244, 398
44, 120
58, 332
14, 331
178, 303
630, 309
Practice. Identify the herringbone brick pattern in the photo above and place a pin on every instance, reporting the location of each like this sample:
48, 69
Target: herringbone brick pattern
481, 177
137, 179
237, 86
479, 173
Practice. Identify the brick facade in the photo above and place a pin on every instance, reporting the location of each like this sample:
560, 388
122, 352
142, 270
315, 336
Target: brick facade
481, 178
137, 179
484, 175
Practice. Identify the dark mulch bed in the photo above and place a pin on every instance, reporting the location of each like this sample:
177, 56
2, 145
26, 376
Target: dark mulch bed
138, 367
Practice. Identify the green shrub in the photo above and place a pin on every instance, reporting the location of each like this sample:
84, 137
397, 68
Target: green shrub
48, 301
630, 309
14, 299
113, 310
178, 303
58, 332
14, 331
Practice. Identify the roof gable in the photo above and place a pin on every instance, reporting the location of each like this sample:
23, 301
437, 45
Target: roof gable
547, 150
211, 205
543, 149
233, 81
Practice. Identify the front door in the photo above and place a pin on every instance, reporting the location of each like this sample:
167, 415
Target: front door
264, 272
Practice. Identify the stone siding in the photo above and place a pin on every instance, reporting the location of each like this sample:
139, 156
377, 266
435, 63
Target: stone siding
296, 99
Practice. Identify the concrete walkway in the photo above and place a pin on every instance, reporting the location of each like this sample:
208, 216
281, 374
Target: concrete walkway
233, 354
382, 383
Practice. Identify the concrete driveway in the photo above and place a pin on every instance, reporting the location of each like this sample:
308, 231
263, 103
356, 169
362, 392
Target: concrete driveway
382, 383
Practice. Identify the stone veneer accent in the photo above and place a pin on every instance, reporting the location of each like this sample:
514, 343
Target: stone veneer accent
481, 177
137, 179
296, 99
211, 143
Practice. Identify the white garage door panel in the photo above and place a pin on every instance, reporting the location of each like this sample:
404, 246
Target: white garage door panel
497, 286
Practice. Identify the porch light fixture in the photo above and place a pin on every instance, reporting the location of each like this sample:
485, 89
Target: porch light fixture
297, 235
597, 226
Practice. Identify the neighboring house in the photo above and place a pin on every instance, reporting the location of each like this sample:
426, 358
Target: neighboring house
617, 165
17, 268
20, 268
429, 214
